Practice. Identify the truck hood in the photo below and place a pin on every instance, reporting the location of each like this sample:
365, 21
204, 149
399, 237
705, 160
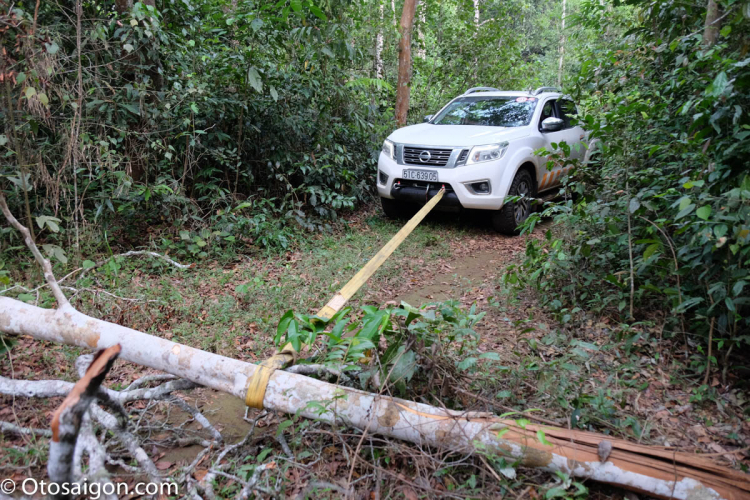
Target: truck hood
427, 134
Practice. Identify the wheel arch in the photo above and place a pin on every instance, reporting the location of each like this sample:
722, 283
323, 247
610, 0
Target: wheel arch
531, 169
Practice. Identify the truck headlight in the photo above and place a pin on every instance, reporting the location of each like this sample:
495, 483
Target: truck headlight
489, 152
389, 149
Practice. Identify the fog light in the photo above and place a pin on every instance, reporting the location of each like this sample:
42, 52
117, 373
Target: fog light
382, 177
481, 187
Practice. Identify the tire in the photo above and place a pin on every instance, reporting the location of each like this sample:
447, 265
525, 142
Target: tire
395, 209
507, 219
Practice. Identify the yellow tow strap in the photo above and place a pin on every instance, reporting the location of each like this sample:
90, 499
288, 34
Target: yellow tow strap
256, 388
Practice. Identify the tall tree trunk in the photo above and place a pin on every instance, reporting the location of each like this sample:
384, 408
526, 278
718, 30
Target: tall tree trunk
404, 61
562, 47
711, 31
379, 46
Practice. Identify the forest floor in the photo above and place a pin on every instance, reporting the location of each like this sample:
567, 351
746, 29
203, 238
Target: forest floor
633, 386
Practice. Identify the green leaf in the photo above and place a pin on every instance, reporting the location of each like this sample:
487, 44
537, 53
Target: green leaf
30, 92
296, 5
684, 212
256, 24
650, 250
467, 363
253, 78
404, 368
284, 324
684, 202
88, 264
133, 109
43, 98
274, 94
128, 48
283, 425
490, 355
542, 438
50, 222
194, 107
523, 422
634, 205
703, 212
718, 86
318, 13
56, 252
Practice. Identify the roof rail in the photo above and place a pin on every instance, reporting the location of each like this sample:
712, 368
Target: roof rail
480, 89
546, 89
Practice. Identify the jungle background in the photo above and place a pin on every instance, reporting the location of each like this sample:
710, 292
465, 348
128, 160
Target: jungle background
241, 138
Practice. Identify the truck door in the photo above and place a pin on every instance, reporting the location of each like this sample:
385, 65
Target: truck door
547, 178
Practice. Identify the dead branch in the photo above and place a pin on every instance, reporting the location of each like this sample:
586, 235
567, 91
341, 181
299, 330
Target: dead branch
197, 415
25, 431
318, 370
128, 440
62, 301
67, 419
132, 253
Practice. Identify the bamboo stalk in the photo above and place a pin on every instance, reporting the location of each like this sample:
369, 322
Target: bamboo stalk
656, 471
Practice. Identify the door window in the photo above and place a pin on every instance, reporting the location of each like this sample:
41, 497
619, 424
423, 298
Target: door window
547, 111
568, 113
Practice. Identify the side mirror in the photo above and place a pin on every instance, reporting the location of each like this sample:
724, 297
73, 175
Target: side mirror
552, 124
428, 118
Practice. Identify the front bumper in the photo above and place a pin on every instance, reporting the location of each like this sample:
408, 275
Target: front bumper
456, 181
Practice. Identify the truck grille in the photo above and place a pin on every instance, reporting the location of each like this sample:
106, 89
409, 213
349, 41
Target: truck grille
437, 157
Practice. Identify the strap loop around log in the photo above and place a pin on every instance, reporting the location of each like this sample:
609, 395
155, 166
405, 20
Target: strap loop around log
256, 387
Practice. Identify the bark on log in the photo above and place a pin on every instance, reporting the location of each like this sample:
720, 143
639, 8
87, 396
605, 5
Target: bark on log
655, 471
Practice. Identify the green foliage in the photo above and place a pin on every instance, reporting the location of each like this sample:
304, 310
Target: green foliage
667, 115
187, 111
387, 345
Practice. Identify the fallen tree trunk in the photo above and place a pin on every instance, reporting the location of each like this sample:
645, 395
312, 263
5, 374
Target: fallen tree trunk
661, 472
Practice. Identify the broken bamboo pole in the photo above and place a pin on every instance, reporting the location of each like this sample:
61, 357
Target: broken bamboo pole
656, 471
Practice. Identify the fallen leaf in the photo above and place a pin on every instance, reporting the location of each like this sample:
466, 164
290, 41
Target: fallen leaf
163, 465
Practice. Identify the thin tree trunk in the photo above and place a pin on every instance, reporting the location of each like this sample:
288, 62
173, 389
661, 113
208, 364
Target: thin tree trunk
422, 50
379, 45
404, 61
562, 47
476, 33
77, 118
711, 31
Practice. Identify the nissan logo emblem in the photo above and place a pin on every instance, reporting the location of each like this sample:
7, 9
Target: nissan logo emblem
424, 156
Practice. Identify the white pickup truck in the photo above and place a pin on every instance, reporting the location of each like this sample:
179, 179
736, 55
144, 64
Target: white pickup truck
480, 146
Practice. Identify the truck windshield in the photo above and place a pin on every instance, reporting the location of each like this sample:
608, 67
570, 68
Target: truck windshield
488, 111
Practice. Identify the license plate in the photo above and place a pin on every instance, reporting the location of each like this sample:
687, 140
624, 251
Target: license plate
420, 175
